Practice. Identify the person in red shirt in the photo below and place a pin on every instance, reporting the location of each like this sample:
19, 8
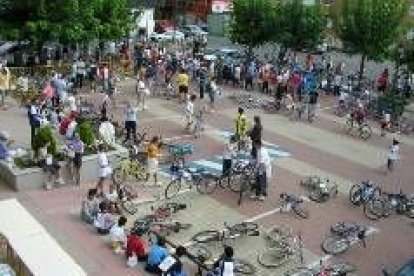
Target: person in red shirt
137, 245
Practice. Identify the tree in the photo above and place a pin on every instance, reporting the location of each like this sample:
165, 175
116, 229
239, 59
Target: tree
369, 27
302, 26
252, 22
65, 21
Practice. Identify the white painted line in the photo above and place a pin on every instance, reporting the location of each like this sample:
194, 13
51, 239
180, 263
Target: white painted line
209, 164
263, 215
278, 153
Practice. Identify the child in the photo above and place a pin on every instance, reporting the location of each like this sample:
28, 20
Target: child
228, 154
50, 167
189, 112
153, 152
393, 155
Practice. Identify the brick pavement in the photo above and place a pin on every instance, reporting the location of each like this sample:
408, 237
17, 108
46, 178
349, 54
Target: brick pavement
318, 148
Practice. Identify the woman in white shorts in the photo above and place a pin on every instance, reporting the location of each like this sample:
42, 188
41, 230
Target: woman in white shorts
105, 171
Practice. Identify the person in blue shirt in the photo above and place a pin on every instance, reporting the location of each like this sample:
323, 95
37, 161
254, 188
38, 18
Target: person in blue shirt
157, 253
178, 270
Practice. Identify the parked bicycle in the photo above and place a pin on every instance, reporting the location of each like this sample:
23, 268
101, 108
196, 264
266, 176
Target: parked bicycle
228, 234
175, 153
335, 268
398, 203
362, 130
320, 190
181, 176
365, 194
291, 202
344, 234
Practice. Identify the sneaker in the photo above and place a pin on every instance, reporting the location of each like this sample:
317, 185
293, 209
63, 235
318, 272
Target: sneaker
254, 197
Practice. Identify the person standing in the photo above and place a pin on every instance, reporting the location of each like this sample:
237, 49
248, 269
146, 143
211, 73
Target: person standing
263, 171
4, 82
393, 155
255, 135
76, 148
131, 114
182, 80
189, 113
34, 119
104, 171
203, 75
212, 91
141, 92
153, 152
228, 154
80, 72
241, 125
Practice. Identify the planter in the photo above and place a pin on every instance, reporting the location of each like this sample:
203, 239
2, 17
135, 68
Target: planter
34, 178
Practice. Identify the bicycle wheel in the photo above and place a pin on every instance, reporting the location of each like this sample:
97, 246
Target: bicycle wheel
300, 210
300, 271
355, 195
273, 257
246, 226
374, 209
129, 207
335, 245
172, 189
317, 196
243, 267
199, 252
118, 176
343, 226
206, 186
206, 236
183, 226
365, 132
235, 183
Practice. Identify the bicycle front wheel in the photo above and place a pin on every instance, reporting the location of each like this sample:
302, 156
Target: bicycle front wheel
206, 236
172, 189
118, 176
243, 267
274, 257
335, 245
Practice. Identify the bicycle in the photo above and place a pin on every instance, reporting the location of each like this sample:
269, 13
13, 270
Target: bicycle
191, 176
282, 247
399, 203
344, 235
366, 194
335, 268
129, 168
320, 190
228, 233
290, 202
363, 129
150, 223
175, 153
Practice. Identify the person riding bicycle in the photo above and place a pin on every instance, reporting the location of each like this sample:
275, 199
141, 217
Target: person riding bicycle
358, 114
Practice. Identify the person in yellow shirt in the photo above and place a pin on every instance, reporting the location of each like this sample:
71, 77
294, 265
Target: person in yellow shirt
182, 81
153, 153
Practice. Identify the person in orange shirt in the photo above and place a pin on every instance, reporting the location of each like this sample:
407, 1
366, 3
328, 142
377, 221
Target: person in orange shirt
153, 152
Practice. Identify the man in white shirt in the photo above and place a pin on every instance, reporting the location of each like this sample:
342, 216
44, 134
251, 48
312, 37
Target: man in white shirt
393, 155
117, 234
264, 171
189, 112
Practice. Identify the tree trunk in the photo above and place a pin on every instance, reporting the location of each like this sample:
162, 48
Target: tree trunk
361, 69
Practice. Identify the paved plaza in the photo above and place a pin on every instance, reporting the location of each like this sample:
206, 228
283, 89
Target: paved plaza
297, 149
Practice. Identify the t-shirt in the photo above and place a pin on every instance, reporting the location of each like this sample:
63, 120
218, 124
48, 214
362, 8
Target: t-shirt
153, 150
156, 255
182, 79
136, 245
189, 108
117, 233
131, 114
394, 152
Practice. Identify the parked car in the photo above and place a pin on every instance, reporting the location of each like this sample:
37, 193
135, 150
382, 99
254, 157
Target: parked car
193, 30
167, 36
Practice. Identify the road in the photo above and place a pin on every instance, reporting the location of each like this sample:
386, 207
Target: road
297, 149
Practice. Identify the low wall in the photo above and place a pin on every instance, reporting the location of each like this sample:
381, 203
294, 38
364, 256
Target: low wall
34, 178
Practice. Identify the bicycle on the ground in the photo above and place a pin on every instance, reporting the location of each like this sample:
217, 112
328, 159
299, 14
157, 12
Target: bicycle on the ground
282, 247
130, 168
320, 190
362, 130
228, 234
344, 235
291, 202
366, 194
334, 268
398, 203
150, 223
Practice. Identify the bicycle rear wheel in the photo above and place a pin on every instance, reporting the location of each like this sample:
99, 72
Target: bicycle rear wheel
118, 176
172, 189
206, 236
335, 245
343, 226
243, 267
273, 257
300, 211
355, 194
199, 252
129, 207
246, 226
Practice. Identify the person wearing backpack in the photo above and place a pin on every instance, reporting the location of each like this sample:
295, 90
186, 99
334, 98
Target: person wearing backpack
224, 266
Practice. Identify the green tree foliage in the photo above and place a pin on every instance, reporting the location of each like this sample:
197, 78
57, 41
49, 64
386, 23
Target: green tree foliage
86, 133
66, 21
369, 27
407, 57
302, 26
252, 22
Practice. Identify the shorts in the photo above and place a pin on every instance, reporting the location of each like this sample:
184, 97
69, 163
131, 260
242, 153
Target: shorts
77, 160
152, 165
182, 89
